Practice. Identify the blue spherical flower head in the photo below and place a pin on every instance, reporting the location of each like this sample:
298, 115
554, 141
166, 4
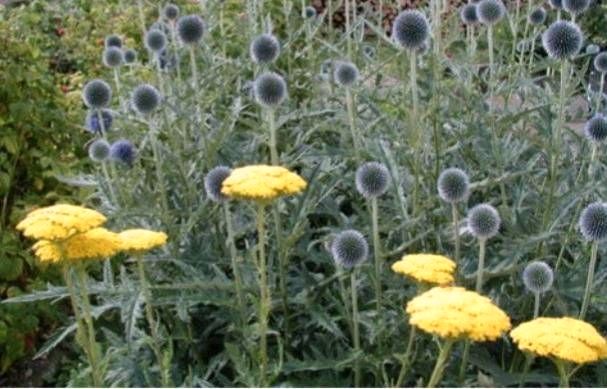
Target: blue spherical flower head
113, 40
562, 40
97, 94
490, 11
213, 182
468, 14
575, 6
190, 29
96, 126
123, 151
484, 221
556, 4
372, 179
349, 248
537, 16
99, 150
264, 49
130, 56
345, 74
155, 40
453, 185
592, 49
145, 99
113, 57
171, 12
593, 222
600, 62
410, 29
596, 128
538, 277
270, 89
310, 12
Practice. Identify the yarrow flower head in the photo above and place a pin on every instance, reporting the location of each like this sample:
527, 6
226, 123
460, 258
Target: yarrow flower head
596, 128
455, 313
538, 277
93, 123
270, 89
123, 151
170, 12
468, 14
97, 94
213, 182
453, 185
593, 222
537, 16
155, 40
113, 40
93, 244
490, 11
130, 56
99, 150
575, 6
190, 29
140, 240
484, 221
565, 338
59, 222
145, 99
372, 179
345, 74
349, 248
264, 49
113, 57
310, 12
600, 62
262, 183
562, 39
426, 268
410, 29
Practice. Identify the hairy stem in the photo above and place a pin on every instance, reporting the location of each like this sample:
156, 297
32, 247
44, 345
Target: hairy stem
589, 280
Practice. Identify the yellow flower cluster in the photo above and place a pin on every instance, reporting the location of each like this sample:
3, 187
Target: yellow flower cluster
427, 268
91, 244
138, 240
262, 183
454, 313
59, 222
564, 338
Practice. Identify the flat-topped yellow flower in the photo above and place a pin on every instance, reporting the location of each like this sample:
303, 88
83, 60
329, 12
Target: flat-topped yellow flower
139, 240
92, 244
564, 338
262, 183
427, 268
456, 313
59, 222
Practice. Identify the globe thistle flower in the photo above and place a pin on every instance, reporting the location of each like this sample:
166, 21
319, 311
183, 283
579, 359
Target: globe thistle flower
349, 248
490, 11
113, 40
97, 94
213, 182
453, 185
190, 29
123, 151
537, 16
113, 57
484, 221
410, 29
469, 14
592, 49
310, 12
593, 222
372, 179
562, 39
575, 6
600, 62
94, 125
596, 128
170, 12
369, 51
99, 150
264, 49
556, 4
538, 277
155, 40
345, 74
130, 56
161, 26
270, 89
145, 99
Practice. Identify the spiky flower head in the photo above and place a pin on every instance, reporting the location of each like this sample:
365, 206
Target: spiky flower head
190, 29
170, 12
369, 51
592, 49
453, 185
264, 49
410, 29
155, 40
484, 221
97, 94
213, 182
593, 222
600, 62
130, 56
93, 123
310, 12
556, 4
372, 179
538, 277
575, 6
145, 99
113, 40
99, 150
270, 89
345, 73
123, 151
490, 11
349, 248
113, 57
537, 16
562, 39
469, 14
596, 128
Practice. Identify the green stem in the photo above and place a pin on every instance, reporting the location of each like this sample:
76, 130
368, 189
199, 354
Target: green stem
464, 363
589, 280
599, 98
348, 28
481, 265
439, 368
356, 339
415, 127
352, 121
376, 254
158, 164
117, 83
536, 305
271, 115
406, 359
264, 292
456, 239
234, 257
141, 17
563, 376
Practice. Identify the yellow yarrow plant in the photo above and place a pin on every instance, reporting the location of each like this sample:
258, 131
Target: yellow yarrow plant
139, 240
262, 183
59, 222
92, 244
426, 268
